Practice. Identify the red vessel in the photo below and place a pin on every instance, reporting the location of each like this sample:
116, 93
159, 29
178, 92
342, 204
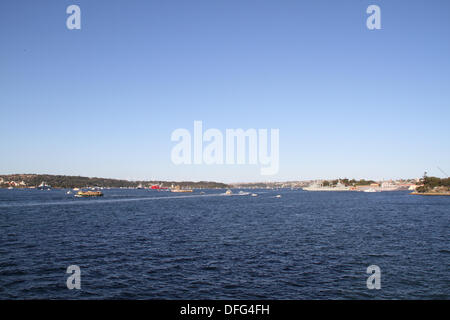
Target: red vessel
158, 187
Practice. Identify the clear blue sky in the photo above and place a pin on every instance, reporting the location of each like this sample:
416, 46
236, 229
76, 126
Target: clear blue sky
104, 100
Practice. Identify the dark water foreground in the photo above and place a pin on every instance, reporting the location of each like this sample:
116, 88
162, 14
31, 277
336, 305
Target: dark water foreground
138, 244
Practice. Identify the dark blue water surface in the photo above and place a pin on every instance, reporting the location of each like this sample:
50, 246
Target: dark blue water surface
140, 244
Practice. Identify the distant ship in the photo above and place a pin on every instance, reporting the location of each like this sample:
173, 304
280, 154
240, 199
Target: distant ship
389, 186
43, 186
319, 187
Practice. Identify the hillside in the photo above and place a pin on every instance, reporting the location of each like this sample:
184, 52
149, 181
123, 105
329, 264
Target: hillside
60, 181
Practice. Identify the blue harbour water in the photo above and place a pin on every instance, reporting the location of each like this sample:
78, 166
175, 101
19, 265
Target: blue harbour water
141, 244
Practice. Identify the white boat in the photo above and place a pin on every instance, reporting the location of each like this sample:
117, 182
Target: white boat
69, 192
44, 186
278, 196
254, 195
370, 190
228, 192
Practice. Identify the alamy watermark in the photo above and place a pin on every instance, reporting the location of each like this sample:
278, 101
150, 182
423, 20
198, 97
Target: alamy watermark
373, 22
239, 147
74, 280
74, 20
374, 280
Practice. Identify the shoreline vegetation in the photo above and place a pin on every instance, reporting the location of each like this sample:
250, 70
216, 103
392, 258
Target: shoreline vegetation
70, 182
432, 186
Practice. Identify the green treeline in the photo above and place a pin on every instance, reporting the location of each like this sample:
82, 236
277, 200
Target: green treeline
59, 181
433, 183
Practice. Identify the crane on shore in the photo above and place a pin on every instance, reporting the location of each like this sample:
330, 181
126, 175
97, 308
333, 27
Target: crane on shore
443, 172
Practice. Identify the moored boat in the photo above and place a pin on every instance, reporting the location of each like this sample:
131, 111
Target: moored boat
43, 186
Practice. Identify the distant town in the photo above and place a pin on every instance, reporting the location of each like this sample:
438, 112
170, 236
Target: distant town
429, 185
338, 185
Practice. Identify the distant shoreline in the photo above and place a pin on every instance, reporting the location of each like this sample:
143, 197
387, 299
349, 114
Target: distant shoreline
430, 193
69, 182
